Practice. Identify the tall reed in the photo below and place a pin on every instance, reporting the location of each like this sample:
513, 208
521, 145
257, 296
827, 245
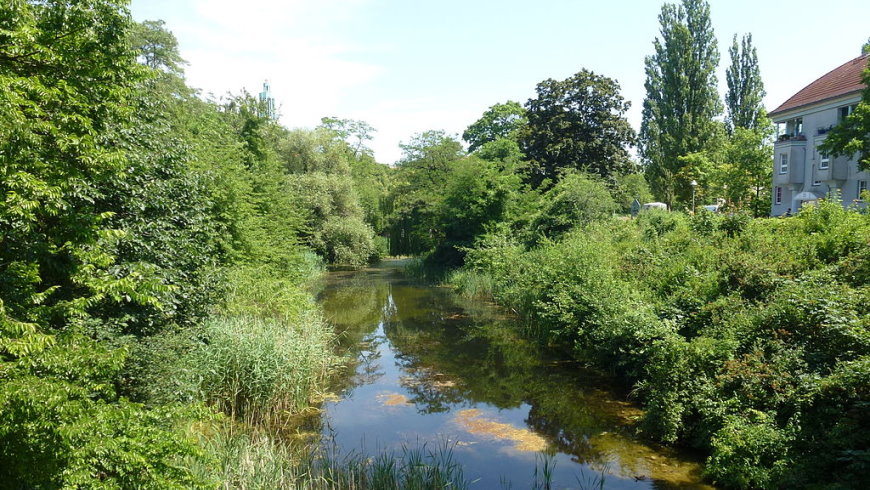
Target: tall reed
258, 370
255, 460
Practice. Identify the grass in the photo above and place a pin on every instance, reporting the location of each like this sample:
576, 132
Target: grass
471, 283
255, 460
259, 370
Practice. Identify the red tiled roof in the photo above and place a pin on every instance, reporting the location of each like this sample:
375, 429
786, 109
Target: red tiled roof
842, 80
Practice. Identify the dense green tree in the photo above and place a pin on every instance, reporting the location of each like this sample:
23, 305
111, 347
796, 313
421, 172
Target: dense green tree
476, 197
320, 150
734, 168
356, 133
852, 135
430, 151
681, 96
497, 122
65, 81
69, 98
745, 177
157, 47
576, 200
373, 182
506, 151
578, 123
745, 88
421, 177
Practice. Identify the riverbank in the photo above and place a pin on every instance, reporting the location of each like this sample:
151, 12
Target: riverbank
745, 339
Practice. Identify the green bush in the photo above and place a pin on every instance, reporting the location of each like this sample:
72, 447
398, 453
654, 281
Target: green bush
749, 452
576, 200
60, 414
346, 241
743, 338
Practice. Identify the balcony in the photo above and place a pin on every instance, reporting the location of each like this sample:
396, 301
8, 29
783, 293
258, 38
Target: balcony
795, 152
791, 137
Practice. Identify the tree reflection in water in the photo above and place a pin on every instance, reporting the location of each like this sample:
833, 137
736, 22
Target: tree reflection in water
448, 355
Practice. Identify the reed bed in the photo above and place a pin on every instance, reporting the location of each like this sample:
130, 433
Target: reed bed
256, 460
260, 370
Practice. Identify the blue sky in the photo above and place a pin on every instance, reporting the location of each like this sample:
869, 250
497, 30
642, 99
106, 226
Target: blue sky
406, 66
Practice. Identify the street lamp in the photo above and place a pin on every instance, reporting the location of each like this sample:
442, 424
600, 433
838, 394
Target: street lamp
694, 184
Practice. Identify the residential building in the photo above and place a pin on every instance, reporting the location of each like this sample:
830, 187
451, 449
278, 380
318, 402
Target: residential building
801, 173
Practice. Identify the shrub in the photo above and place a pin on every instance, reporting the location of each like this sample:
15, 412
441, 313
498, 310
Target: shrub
346, 241
576, 200
62, 425
749, 452
733, 224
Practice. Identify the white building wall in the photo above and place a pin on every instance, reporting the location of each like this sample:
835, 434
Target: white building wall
806, 177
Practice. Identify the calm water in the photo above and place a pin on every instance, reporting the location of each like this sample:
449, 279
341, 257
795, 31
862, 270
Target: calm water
434, 369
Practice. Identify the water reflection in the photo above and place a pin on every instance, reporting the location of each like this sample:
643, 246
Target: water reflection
431, 367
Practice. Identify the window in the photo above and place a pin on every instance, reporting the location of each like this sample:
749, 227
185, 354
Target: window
778, 193
816, 183
844, 112
824, 161
783, 163
862, 186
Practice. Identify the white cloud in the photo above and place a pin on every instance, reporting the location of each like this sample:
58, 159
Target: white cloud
232, 45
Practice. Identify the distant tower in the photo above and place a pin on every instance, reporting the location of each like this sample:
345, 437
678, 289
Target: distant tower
268, 101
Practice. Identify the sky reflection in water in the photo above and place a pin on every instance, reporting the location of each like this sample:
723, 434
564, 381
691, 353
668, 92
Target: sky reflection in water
434, 369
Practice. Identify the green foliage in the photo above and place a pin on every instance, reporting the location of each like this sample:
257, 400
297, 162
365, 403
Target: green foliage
476, 197
157, 47
346, 241
745, 338
420, 181
501, 121
503, 150
354, 133
130, 208
324, 183
681, 96
626, 188
745, 88
575, 201
733, 170
373, 182
59, 412
580, 124
318, 151
749, 452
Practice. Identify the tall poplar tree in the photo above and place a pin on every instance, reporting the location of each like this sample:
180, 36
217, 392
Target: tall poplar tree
745, 88
681, 97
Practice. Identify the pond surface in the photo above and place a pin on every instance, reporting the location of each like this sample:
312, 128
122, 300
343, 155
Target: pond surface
437, 370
